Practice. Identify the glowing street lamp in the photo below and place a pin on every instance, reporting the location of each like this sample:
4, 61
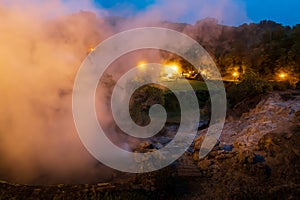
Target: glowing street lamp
91, 49
235, 76
282, 75
142, 64
171, 70
174, 67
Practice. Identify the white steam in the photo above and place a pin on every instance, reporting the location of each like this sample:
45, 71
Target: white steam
42, 45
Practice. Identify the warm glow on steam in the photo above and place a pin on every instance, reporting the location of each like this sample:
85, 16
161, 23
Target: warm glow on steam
142, 64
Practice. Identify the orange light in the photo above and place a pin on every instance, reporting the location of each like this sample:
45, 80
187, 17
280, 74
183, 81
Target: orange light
173, 66
235, 74
91, 49
142, 64
282, 75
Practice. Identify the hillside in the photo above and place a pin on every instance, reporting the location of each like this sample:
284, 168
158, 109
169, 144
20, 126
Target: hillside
266, 47
257, 158
42, 156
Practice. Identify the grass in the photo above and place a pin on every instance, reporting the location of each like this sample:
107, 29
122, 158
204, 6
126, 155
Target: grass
199, 87
169, 100
179, 85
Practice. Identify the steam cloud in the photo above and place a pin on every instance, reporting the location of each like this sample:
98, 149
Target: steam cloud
42, 47
39, 60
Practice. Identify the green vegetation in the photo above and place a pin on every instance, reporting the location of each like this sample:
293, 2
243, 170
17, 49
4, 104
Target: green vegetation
147, 96
258, 57
142, 100
179, 85
250, 85
266, 48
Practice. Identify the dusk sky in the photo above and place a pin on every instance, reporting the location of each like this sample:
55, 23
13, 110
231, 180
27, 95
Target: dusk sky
231, 12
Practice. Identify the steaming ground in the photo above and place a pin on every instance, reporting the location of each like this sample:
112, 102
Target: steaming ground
41, 48
39, 60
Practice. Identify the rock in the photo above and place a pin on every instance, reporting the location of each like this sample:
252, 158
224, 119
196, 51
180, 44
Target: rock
245, 157
261, 149
227, 147
191, 148
295, 128
286, 96
202, 124
204, 164
258, 159
164, 140
238, 145
146, 145
296, 151
268, 170
224, 155
288, 136
298, 85
196, 156
157, 145
198, 142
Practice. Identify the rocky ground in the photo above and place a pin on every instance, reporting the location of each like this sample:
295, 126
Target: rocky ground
257, 157
259, 154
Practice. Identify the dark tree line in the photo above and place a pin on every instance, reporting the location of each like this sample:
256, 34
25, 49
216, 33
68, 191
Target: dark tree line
266, 48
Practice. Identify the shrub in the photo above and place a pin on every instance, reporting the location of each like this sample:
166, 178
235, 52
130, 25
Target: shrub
251, 84
298, 85
282, 86
142, 100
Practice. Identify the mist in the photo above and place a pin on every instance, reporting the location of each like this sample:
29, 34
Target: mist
40, 53
43, 44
